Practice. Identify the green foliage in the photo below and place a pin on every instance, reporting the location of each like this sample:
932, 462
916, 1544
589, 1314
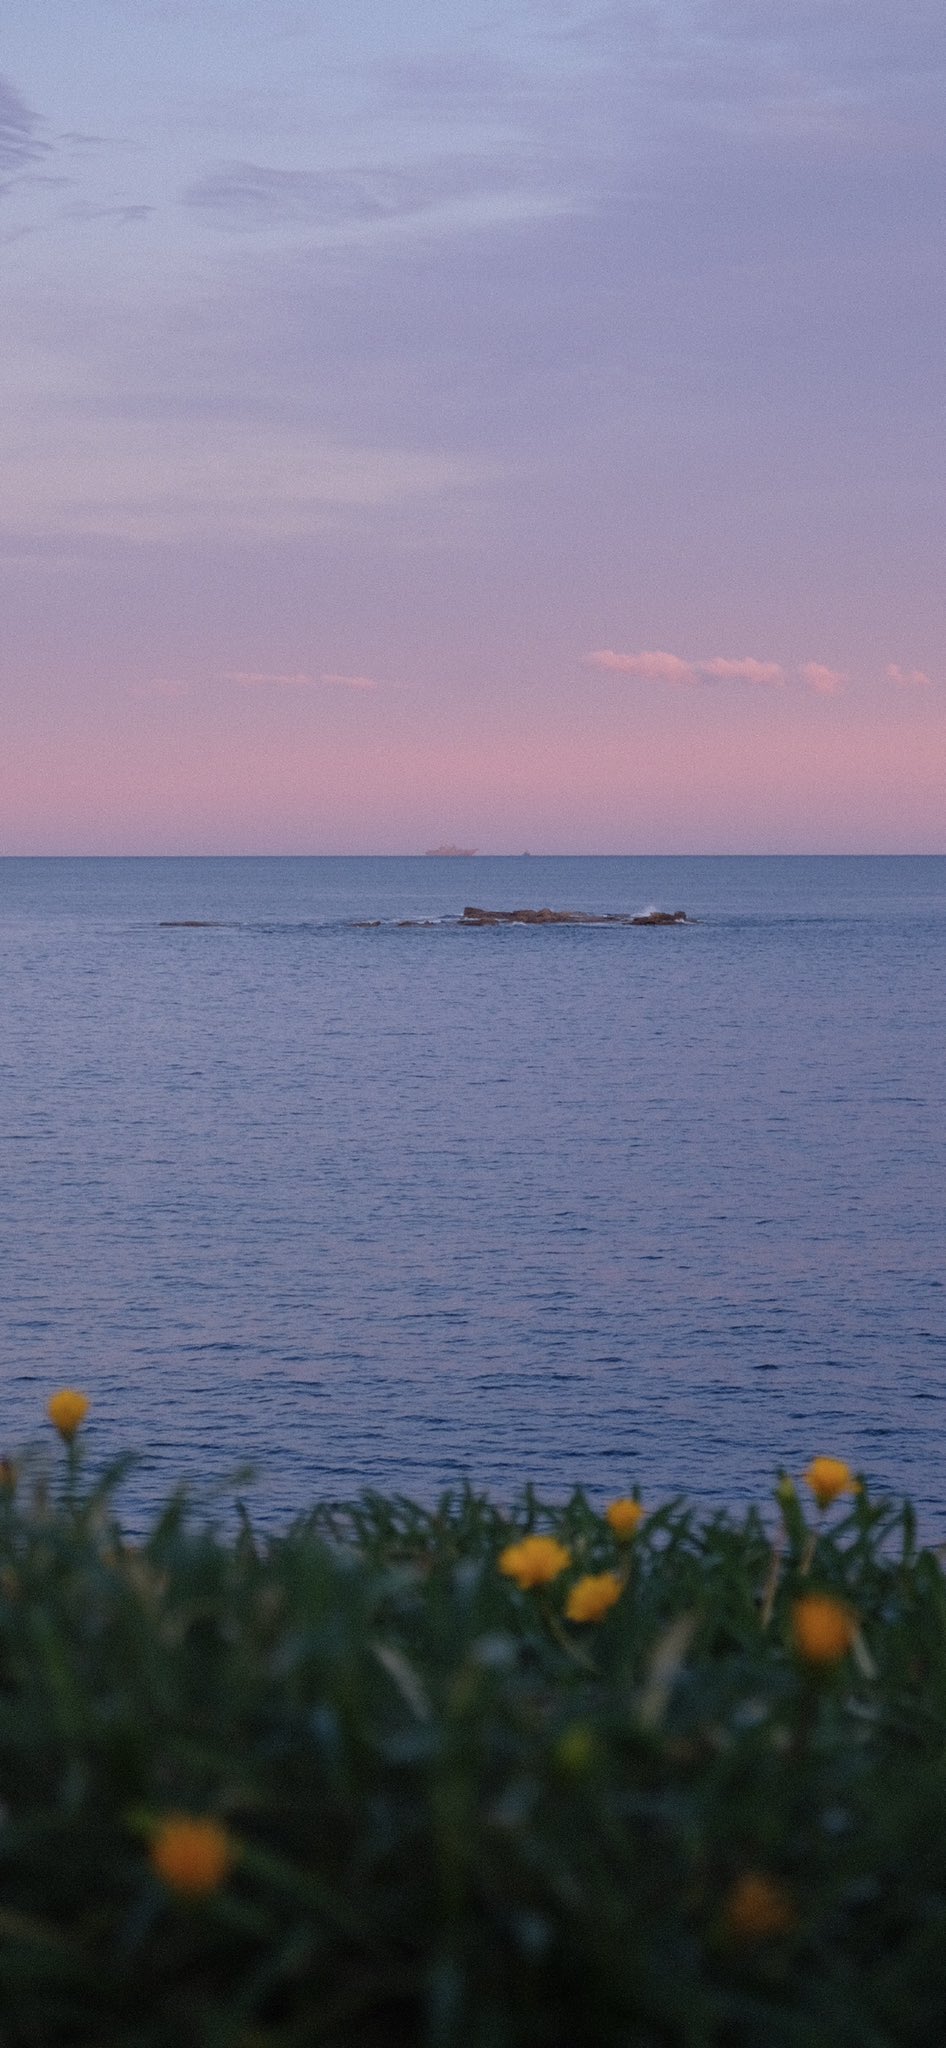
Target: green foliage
458, 1820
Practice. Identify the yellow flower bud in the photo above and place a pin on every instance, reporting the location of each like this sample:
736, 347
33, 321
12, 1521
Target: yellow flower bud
829, 1477
534, 1561
192, 1857
66, 1411
823, 1628
591, 1598
625, 1518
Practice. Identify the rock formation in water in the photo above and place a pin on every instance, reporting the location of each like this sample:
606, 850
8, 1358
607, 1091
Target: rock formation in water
473, 915
662, 917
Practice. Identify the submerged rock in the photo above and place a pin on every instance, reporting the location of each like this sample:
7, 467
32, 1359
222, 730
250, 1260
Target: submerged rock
662, 917
474, 915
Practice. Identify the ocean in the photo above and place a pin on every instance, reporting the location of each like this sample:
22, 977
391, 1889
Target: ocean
365, 1204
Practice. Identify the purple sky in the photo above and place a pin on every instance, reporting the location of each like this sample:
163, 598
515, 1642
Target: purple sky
519, 426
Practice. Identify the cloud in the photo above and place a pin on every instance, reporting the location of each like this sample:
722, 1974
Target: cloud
745, 671
266, 679
19, 143
657, 666
196, 477
653, 665
256, 195
84, 209
250, 195
660, 667
908, 678
826, 681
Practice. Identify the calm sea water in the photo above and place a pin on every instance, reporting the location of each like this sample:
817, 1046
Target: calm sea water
390, 1206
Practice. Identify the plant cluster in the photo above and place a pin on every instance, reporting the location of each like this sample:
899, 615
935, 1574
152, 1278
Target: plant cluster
469, 1777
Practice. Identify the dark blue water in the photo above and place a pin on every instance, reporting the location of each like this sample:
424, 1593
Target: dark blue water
389, 1206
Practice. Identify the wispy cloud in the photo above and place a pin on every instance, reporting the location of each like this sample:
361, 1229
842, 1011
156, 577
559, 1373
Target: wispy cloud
144, 480
745, 671
652, 665
257, 679
657, 666
909, 678
19, 137
259, 195
825, 681
76, 138
85, 209
251, 196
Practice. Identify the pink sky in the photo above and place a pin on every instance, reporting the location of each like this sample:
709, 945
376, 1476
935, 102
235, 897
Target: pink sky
515, 431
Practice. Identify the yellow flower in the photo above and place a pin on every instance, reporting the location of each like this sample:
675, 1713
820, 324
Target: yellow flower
625, 1517
828, 1477
757, 1907
534, 1561
191, 1856
66, 1410
823, 1628
590, 1598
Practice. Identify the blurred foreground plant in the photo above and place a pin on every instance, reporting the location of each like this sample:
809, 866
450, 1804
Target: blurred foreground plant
465, 1777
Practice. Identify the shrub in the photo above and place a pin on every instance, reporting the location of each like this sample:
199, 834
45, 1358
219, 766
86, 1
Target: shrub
361, 1784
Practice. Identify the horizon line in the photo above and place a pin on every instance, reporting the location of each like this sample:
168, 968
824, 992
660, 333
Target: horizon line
810, 853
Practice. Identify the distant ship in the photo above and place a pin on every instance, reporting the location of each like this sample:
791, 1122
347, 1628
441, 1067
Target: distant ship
450, 852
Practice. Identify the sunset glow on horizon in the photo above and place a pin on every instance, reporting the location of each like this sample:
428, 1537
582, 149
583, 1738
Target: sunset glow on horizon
516, 430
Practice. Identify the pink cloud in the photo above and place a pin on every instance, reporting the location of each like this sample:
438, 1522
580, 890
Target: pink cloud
827, 681
652, 664
657, 666
745, 671
909, 678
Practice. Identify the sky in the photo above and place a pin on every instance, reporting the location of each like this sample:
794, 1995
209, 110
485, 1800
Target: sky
509, 425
